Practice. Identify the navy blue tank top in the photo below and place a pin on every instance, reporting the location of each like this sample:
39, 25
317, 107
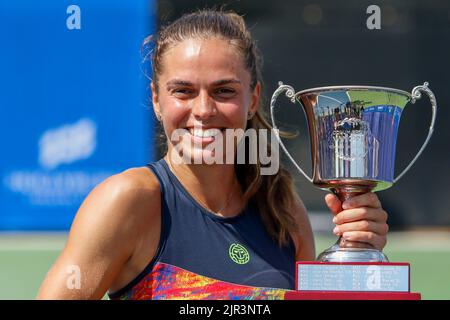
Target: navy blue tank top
205, 256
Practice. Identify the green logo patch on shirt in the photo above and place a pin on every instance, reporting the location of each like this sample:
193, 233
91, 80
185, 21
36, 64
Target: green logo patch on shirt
238, 253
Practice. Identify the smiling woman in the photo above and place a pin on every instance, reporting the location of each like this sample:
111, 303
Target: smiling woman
183, 230
198, 100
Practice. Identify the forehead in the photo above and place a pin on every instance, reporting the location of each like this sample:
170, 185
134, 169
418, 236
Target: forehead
204, 59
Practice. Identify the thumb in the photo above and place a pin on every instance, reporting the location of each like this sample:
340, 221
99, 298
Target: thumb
333, 203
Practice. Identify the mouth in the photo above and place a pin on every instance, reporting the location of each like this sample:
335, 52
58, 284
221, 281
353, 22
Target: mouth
205, 135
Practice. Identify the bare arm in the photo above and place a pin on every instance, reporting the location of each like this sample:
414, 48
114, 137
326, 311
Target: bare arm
102, 238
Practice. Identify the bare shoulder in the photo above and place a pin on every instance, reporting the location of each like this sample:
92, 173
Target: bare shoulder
128, 188
303, 238
130, 182
123, 204
104, 234
128, 196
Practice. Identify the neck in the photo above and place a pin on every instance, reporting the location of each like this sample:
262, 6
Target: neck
211, 185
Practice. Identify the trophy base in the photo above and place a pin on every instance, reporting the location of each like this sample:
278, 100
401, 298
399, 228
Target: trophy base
352, 276
336, 253
335, 295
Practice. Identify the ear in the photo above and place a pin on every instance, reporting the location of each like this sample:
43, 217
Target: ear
256, 94
155, 101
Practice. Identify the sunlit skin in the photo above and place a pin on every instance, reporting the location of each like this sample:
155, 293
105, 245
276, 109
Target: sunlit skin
116, 230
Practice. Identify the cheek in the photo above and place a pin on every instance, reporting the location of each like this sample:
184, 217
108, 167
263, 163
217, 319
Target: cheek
173, 112
235, 113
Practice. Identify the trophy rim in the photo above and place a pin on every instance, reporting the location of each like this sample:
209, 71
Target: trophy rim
353, 87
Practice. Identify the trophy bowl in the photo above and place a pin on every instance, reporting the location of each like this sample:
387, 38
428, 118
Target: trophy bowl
353, 136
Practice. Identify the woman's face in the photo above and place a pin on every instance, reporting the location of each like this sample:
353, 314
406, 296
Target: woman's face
204, 85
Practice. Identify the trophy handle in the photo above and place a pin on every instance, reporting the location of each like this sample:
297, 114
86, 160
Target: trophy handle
415, 95
290, 93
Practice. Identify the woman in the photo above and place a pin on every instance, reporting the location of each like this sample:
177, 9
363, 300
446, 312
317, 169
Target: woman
180, 230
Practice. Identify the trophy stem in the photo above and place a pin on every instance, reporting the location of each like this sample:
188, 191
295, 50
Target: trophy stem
346, 192
351, 251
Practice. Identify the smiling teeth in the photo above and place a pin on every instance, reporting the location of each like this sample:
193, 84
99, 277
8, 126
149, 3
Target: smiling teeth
204, 133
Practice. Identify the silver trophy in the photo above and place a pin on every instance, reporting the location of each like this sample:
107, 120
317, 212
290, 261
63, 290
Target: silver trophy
353, 133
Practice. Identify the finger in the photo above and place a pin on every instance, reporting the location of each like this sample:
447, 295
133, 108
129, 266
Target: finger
364, 213
333, 203
371, 238
369, 199
363, 225
355, 244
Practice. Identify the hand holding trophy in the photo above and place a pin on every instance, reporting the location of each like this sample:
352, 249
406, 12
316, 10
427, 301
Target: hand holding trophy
353, 133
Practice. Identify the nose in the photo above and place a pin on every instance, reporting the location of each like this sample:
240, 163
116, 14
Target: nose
204, 106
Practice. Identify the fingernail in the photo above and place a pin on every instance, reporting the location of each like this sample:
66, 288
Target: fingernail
346, 205
334, 220
336, 230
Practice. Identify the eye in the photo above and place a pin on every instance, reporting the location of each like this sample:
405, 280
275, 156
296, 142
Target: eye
182, 92
225, 92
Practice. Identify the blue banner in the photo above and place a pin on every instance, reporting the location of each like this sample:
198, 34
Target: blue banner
73, 104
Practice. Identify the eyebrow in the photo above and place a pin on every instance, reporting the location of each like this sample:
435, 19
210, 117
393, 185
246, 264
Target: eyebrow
225, 81
177, 82
180, 82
